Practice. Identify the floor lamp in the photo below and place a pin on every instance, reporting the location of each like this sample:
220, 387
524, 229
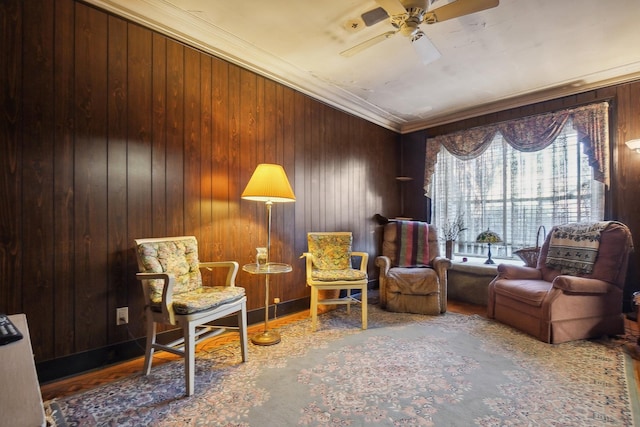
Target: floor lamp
268, 184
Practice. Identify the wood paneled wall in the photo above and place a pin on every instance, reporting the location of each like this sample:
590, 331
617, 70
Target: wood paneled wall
623, 197
110, 131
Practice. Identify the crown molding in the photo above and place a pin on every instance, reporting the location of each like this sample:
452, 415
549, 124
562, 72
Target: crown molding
165, 18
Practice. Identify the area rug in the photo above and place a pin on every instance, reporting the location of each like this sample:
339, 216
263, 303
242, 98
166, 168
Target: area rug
405, 370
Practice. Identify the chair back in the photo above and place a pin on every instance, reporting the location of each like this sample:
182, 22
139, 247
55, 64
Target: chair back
330, 250
612, 259
392, 241
175, 255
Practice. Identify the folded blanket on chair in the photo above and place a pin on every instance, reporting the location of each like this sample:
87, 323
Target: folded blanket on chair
573, 248
413, 244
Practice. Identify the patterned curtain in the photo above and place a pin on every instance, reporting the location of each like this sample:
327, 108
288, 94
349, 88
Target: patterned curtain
530, 134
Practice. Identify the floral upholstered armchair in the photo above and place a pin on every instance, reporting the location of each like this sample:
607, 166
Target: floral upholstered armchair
329, 269
174, 295
413, 275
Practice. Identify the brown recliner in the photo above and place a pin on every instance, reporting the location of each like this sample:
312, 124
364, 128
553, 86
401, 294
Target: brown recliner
412, 289
556, 307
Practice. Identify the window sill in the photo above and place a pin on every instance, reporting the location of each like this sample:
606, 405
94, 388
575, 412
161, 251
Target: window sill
458, 259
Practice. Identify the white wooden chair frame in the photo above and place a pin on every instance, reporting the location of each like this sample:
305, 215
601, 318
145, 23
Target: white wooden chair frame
193, 325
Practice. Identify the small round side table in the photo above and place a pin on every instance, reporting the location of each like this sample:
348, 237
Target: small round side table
266, 337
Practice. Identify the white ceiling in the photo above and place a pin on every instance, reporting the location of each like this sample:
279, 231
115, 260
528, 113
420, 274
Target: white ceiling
520, 52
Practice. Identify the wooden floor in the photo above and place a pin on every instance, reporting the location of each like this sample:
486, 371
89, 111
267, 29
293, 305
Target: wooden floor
93, 379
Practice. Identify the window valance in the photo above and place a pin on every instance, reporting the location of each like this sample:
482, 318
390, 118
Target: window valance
529, 134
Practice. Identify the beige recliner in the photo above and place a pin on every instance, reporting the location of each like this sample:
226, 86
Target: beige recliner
555, 304
413, 276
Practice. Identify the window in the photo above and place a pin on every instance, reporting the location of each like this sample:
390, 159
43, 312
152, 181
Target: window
513, 192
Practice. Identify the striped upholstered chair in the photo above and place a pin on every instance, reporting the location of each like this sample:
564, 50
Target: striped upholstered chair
329, 269
413, 276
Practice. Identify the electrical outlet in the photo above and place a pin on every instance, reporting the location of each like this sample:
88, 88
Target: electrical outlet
122, 315
276, 300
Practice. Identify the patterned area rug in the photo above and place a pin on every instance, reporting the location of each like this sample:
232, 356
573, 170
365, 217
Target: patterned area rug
405, 370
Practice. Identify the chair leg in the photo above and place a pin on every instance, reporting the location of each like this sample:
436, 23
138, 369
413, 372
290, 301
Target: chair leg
189, 331
242, 329
151, 340
364, 304
348, 301
314, 308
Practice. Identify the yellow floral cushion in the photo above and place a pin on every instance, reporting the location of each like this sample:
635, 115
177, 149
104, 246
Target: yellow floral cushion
330, 251
333, 275
180, 258
204, 298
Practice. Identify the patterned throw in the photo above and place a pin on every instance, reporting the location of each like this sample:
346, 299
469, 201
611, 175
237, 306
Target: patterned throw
573, 247
413, 244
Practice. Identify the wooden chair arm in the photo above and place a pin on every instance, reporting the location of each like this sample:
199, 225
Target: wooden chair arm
167, 292
364, 259
308, 265
233, 267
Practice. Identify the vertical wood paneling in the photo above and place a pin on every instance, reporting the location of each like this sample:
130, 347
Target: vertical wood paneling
175, 145
345, 170
206, 160
311, 173
139, 161
192, 120
90, 179
159, 219
37, 173
130, 134
299, 178
64, 248
626, 176
117, 173
236, 178
11, 67
289, 224
220, 156
253, 224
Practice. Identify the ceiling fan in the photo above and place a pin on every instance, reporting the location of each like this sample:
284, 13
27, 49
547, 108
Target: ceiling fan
406, 17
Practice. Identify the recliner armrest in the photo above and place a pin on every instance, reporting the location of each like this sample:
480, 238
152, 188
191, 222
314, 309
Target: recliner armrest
510, 271
384, 263
441, 264
582, 285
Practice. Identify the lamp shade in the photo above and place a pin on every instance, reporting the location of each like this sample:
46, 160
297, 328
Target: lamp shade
488, 237
269, 183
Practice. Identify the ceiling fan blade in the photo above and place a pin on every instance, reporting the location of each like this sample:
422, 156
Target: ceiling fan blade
366, 44
374, 16
457, 9
393, 7
425, 49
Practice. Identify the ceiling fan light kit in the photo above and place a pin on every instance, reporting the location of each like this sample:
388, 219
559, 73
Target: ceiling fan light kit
406, 17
